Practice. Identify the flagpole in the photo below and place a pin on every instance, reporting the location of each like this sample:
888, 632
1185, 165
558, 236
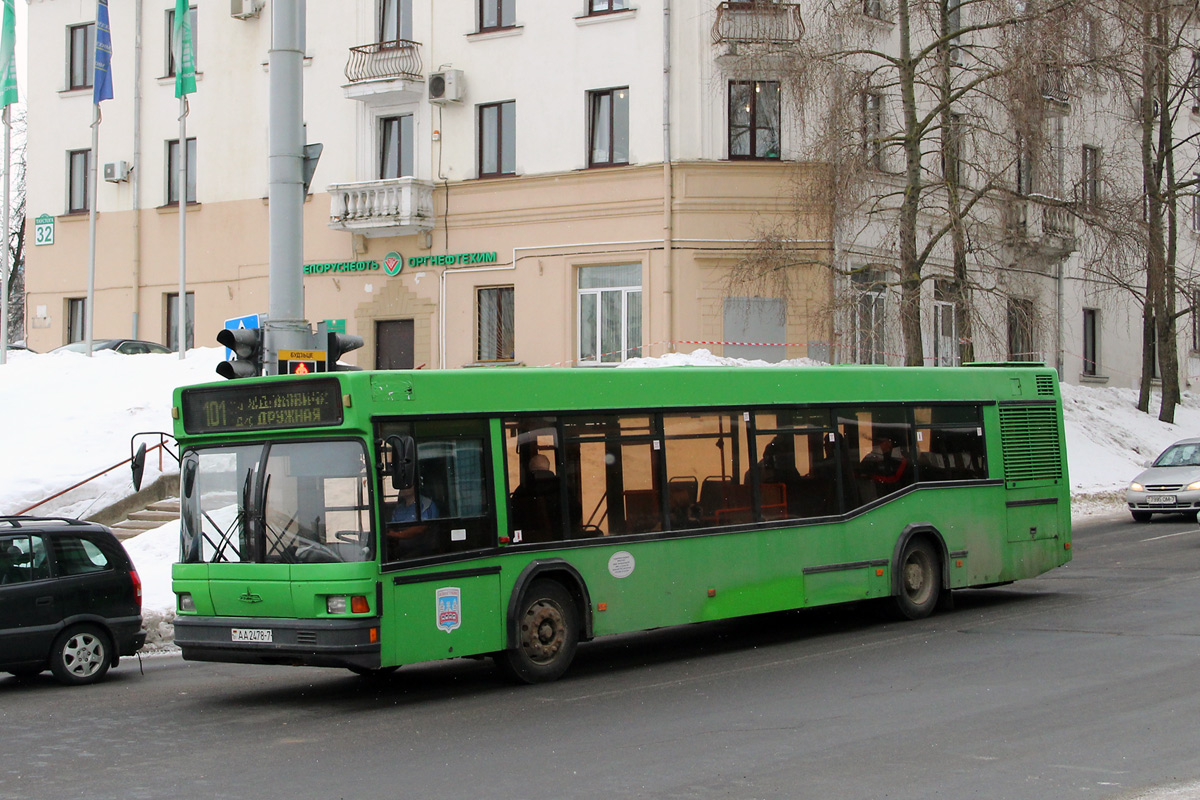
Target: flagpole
5, 267
89, 304
181, 188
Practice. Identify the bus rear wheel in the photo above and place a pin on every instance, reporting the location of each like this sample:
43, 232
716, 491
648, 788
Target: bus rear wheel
920, 580
547, 634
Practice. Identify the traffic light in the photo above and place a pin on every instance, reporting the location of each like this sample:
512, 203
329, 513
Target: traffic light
247, 346
338, 345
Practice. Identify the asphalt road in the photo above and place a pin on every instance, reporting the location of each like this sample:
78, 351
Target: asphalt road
1082, 683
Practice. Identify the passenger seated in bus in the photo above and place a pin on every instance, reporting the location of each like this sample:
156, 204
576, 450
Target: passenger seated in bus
536, 504
885, 467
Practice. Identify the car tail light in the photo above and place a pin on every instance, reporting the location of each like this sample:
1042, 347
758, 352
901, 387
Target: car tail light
137, 587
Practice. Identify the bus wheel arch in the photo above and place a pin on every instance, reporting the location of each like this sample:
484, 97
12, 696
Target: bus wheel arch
919, 564
549, 613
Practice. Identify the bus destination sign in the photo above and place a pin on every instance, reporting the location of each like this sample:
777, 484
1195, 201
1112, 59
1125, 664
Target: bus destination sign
250, 407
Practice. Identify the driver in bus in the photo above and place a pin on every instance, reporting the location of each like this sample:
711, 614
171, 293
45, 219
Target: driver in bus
406, 507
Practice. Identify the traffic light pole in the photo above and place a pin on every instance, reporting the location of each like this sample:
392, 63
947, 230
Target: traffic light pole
286, 329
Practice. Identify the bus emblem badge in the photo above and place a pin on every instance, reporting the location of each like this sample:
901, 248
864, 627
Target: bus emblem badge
449, 608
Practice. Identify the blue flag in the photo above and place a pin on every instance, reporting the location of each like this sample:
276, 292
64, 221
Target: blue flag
102, 83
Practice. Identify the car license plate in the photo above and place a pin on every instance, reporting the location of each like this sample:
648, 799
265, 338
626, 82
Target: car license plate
1153, 499
251, 634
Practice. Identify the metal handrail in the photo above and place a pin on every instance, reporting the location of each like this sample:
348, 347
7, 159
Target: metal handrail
161, 447
749, 22
399, 58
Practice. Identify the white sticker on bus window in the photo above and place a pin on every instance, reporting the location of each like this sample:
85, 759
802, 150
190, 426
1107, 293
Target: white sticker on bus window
833, 437
458, 535
657, 445
920, 436
979, 431
745, 416
516, 537
621, 564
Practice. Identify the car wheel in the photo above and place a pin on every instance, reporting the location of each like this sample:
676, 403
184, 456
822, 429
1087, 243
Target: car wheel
1141, 516
80, 655
547, 634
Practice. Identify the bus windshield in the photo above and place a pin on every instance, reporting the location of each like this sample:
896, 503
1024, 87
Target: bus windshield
281, 503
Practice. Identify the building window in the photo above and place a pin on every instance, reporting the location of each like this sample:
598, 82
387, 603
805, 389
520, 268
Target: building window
754, 119
1089, 183
605, 6
608, 123
1020, 330
498, 139
870, 323
396, 146
1196, 320
1196, 203
954, 25
171, 38
872, 128
395, 20
78, 190
873, 8
173, 171
75, 310
1193, 82
173, 321
495, 341
952, 151
81, 50
1091, 333
610, 313
1025, 183
945, 324
497, 14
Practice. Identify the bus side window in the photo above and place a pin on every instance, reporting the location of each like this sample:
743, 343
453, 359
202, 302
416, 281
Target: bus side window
612, 476
950, 443
533, 463
706, 455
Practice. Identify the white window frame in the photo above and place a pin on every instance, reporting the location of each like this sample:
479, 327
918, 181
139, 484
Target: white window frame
626, 292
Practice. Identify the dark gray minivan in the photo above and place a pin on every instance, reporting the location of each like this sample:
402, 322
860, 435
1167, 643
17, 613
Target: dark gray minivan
70, 599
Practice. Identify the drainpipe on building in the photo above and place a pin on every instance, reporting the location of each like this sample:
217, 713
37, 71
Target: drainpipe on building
1058, 356
668, 187
135, 178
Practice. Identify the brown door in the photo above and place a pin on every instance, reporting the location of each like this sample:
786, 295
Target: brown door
394, 344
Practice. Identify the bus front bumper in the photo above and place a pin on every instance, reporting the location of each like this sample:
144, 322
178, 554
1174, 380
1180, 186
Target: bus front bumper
296, 642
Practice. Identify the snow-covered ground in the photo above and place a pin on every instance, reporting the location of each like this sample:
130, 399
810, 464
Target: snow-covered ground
70, 417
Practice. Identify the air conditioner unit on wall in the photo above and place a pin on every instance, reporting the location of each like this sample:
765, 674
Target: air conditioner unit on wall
446, 86
245, 9
116, 171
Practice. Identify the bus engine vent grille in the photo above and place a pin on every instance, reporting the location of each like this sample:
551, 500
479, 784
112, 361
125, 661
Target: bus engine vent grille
1045, 385
1030, 441
306, 637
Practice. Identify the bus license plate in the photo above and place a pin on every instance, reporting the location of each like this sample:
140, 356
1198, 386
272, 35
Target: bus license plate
251, 634
1155, 500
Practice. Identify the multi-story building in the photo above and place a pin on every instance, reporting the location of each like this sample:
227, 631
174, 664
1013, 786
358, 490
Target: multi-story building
542, 182
532, 181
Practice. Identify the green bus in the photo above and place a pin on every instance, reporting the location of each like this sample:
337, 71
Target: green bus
372, 519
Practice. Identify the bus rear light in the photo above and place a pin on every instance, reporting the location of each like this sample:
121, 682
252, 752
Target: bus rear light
374, 635
359, 605
1067, 546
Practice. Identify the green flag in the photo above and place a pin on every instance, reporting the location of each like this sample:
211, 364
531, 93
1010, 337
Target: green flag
181, 49
8, 61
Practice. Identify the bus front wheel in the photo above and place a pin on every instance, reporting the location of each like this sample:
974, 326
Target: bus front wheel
920, 580
547, 634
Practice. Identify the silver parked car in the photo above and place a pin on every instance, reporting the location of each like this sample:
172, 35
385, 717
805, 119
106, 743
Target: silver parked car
1170, 484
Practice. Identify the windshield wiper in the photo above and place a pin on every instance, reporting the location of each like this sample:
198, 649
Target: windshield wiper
234, 526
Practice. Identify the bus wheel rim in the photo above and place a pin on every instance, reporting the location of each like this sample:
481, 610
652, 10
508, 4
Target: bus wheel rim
544, 631
917, 578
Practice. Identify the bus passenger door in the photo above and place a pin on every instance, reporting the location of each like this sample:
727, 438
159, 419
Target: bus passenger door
435, 617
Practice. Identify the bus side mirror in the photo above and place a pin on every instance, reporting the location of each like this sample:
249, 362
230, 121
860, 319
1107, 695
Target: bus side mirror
138, 465
189, 477
402, 461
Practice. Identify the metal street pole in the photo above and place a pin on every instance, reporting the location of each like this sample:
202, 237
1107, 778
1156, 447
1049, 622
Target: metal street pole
286, 329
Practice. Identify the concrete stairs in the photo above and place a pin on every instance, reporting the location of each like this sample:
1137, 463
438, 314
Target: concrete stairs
152, 516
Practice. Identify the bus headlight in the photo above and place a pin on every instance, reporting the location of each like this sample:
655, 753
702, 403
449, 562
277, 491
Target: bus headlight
186, 603
338, 603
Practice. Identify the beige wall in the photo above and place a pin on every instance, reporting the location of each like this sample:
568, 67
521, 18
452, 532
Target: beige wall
542, 229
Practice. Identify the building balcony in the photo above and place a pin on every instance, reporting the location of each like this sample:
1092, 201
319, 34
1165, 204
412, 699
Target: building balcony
1042, 225
756, 25
391, 207
385, 72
